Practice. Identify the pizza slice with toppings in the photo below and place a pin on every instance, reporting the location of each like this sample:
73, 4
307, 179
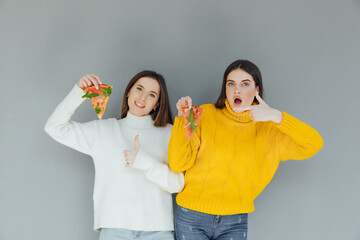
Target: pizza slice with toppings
191, 118
98, 97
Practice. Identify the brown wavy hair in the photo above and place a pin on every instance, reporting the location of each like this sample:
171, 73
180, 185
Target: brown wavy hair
162, 114
248, 67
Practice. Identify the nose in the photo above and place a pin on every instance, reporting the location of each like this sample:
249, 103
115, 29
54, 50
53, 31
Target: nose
237, 89
142, 96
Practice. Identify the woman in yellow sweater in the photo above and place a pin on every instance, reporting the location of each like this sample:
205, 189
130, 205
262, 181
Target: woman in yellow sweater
232, 155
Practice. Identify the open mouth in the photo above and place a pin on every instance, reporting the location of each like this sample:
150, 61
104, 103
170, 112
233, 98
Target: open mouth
237, 102
139, 105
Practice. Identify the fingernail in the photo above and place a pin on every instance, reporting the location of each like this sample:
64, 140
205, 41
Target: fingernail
100, 82
97, 87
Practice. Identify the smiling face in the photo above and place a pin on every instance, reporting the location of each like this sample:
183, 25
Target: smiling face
240, 88
143, 96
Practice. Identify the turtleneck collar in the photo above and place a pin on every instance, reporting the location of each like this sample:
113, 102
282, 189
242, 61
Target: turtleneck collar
239, 117
138, 122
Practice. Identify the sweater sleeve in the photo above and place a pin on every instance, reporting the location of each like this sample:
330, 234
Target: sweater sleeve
182, 152
297, 140
159, 172
79, 136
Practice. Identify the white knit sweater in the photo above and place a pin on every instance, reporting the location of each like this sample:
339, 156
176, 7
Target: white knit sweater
137, 198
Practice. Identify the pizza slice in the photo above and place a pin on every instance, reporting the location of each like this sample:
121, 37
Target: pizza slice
191, 118
98, 97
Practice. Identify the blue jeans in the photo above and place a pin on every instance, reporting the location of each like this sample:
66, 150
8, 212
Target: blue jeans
124, 234
193, 225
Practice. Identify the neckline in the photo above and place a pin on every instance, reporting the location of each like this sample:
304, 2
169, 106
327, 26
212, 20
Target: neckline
243, 117
138, 122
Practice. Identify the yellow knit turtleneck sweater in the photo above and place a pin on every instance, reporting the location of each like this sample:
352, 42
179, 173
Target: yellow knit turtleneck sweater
230, 159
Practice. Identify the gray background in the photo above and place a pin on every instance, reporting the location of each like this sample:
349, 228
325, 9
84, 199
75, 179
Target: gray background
308, 52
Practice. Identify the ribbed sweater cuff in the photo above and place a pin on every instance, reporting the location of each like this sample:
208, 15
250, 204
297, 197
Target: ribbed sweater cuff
289, 125
77, 92
143, 161
72, 100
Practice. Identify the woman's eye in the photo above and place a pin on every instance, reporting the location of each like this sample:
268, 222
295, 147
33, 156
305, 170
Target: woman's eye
230, 84
139, 88
152, 95
245, 84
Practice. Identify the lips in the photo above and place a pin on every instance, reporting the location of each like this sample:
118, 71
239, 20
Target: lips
139, 105
237, 101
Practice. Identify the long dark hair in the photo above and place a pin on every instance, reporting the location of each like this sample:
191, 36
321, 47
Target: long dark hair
162, 114
248, 67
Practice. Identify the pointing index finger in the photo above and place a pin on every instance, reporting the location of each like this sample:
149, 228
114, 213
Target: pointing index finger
259, 98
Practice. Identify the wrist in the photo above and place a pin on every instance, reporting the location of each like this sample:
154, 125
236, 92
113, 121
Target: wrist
278, 116
79, 86
179, 113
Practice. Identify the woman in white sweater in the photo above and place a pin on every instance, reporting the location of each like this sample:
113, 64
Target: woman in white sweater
133, 183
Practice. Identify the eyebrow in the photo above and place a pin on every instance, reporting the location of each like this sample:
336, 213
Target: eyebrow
245, 80
144, 88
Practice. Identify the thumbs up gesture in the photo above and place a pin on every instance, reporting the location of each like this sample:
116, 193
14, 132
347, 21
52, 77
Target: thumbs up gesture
262, 112
130, 155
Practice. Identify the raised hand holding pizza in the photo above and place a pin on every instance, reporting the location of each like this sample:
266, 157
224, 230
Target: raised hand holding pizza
190, 113
263, 112
181, 102
89, 80
97, 92
130, 155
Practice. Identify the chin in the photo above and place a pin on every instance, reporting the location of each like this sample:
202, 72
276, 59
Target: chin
139, 113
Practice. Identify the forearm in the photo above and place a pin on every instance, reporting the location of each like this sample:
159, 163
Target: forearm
79, 136
299, 139
63, 112
159, 172
182, 152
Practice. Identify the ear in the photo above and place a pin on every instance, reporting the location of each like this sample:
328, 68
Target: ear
257, 89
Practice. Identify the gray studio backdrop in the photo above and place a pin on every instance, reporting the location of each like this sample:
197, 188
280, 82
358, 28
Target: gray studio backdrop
308, 52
